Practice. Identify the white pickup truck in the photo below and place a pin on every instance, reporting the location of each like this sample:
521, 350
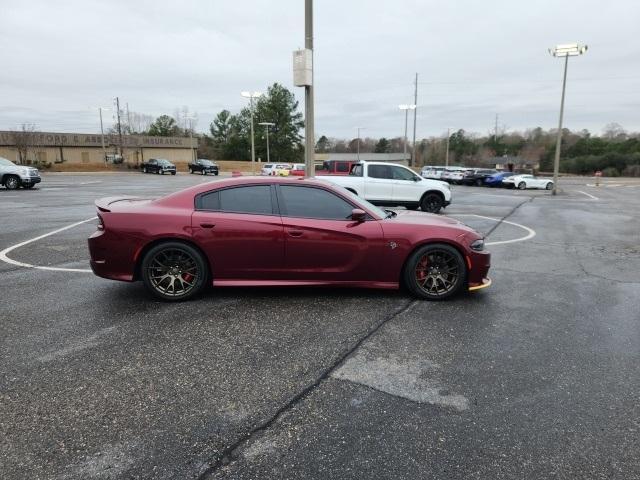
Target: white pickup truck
393, 185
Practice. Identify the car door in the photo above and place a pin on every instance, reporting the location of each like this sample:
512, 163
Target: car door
152, 166
322, 242
407, 186
241, 232
378, 185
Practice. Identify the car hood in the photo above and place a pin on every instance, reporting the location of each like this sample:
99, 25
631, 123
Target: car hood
408, 217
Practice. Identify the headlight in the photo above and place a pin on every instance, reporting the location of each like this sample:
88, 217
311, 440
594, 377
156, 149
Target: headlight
477, 245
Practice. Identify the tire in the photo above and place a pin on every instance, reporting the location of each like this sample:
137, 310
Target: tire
169, 262
144, 169
479, 182
522, 186
191, 170
12, 182
435, 272
216, 174
549, 186
203, 172
161, 172
173, 173
431, 202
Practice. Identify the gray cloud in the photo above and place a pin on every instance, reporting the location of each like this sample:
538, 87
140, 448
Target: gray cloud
475, 59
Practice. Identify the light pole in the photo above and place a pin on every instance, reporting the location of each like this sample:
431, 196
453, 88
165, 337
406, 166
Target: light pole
566, 51
446, 158
251, 96
406, 109
104, 150
358, 145
268, 125
193, 150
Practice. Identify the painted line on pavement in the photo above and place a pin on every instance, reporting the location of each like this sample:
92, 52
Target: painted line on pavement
530, 231
588, 194
6, 259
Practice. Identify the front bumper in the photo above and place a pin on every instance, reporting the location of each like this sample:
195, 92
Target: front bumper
486, 282
30, 180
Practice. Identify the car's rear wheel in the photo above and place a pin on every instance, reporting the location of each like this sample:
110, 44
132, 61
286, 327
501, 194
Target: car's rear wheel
431, 202
522, 186
435, 272
549, 186
173, 173
203, 172
174, 271
12, 182
144, 169
479, 182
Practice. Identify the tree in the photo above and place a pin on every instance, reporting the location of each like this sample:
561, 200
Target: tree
24, 140
324, 145
613, 131
383, 146
220, 128
164, 126
280, 107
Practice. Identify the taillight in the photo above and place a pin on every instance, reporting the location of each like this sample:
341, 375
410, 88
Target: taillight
100, 223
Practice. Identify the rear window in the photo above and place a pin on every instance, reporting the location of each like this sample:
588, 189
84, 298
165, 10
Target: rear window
268, 165
253, 199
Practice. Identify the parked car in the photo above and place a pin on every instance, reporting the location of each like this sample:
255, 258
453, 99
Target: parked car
158, 165
203, 166
476, 176
275, 168
297, 170
496, 179
390, 184
523, 182
251, 231
453, 174
336, 167
433, 173
14, 176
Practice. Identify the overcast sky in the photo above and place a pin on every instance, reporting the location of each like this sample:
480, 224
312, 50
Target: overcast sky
59, 61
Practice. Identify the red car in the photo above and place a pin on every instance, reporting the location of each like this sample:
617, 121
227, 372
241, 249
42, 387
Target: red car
270, 231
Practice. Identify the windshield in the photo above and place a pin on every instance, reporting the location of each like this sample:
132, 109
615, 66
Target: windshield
6, 163
162, 161
363, 203
207, 163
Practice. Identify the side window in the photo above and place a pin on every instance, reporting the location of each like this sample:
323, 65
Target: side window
380, 171
255, 199
342, 167
400, 173
356, 171
307, 202
152, 162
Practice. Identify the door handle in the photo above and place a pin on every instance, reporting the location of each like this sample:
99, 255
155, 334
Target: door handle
295, 233
207, 225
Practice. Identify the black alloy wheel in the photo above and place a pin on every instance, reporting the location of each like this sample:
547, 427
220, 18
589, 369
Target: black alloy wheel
174, 271
431, 202
435, 272
12, 183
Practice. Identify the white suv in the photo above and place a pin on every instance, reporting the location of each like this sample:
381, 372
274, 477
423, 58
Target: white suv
14, 176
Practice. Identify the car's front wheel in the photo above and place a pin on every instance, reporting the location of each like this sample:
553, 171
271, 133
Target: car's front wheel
190, 170
549, 186
12, 182
431, 202
435, 272
174, 271
522, 186
479, 182
144, 169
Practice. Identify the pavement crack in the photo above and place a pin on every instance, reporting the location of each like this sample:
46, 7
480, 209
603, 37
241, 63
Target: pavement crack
229, 454
509, 214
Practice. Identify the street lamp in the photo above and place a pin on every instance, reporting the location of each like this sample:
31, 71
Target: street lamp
104, 150
193, 151
566, 51
406, 109
446, 158
267, 125
251, 96
358, 145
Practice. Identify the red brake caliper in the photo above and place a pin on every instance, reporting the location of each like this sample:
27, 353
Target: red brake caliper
187, 277
421, 269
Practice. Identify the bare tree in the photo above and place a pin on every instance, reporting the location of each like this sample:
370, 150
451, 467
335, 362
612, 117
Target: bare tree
613, 131
24, 140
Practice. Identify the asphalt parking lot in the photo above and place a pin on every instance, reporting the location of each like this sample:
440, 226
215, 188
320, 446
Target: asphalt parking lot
535, 377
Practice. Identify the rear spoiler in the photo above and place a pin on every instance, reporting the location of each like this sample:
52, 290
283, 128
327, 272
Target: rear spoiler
103, 204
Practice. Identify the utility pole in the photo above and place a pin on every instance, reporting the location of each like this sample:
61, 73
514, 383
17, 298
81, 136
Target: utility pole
308, 94
119, 127
415, 116
495, 131
446, 160
104, 151
128, 119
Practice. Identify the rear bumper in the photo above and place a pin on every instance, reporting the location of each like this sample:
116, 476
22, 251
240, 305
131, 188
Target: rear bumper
112, 256
486, 282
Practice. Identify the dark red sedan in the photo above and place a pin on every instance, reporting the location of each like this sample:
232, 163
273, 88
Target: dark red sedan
272, 231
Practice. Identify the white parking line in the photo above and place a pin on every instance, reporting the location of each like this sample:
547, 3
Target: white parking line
587, 194
530, 232
6, 259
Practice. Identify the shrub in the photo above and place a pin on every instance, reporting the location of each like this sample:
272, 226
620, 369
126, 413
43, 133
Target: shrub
610, 172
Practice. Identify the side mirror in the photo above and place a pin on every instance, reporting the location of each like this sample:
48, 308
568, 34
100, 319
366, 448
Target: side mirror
416, 179
358, 215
